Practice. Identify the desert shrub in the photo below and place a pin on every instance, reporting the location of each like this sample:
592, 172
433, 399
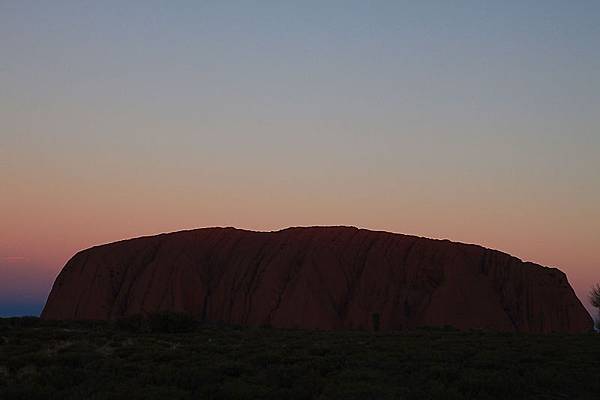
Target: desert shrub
170, 322
595, 300
19, 322
376, 320
595, 296
132, 323
159, 322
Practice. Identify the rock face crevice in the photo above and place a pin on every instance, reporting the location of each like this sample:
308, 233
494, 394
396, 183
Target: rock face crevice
316, 278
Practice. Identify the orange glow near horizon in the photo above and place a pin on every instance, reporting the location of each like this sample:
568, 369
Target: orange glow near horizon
57, 230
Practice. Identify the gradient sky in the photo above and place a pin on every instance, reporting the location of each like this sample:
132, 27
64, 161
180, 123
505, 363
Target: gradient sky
473, 121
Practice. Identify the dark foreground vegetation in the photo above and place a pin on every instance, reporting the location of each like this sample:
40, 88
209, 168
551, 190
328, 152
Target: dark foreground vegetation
172, 357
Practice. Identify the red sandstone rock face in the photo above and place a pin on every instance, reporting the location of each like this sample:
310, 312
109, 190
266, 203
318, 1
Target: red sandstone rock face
316, 278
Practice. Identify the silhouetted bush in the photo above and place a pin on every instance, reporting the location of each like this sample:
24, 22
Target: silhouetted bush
375, 320
170, 322
595, 300
159, 322
20, 322
132, 323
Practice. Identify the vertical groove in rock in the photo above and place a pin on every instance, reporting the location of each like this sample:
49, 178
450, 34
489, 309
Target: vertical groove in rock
78, 302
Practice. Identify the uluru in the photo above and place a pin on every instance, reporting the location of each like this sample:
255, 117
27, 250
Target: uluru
325, 278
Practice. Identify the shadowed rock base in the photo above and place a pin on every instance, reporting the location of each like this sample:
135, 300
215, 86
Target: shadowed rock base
316, 278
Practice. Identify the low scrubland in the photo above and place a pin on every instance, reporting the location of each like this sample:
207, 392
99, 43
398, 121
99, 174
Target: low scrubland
171, 356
